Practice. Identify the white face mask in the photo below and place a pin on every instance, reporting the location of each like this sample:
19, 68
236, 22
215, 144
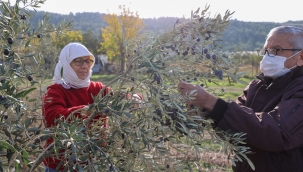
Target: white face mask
273, 67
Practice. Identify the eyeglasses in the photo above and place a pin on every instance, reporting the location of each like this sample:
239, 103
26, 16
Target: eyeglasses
80, 61
272, 52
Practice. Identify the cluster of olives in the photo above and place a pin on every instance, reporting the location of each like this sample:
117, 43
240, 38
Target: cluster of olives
23, 17
172, 114
218, 73
205, 52
10, 41
6, 51
173, 117
184, 53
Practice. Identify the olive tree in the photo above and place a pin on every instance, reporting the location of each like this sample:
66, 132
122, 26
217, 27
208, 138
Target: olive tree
142, 133
26, 58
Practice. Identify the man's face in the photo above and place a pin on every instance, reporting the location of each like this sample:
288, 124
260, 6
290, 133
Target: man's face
282, 41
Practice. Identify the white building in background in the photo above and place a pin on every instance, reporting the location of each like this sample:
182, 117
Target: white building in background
102, 65
100, 61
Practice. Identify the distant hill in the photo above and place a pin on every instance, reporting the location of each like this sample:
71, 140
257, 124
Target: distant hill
239, 36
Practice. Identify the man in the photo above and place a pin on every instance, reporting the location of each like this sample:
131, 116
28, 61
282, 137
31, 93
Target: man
270, 110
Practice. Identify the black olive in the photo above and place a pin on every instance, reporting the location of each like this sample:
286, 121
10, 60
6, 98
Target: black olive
205, 51
29, 77
158, 80
185, 53
6, 52
10, 41
167, 122
158, 111
2, 98
106, 111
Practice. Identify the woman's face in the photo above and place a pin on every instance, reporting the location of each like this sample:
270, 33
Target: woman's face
82, 66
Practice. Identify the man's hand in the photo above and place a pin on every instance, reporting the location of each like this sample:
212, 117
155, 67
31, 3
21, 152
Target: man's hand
201, 98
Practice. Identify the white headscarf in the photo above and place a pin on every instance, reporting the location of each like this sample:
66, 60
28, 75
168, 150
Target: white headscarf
69, 77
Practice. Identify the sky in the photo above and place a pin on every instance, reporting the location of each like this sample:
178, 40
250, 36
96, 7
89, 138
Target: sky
245, 10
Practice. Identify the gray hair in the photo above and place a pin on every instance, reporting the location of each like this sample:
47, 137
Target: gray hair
297, 35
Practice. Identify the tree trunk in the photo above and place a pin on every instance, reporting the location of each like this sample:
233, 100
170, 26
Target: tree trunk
122, 53
123, 64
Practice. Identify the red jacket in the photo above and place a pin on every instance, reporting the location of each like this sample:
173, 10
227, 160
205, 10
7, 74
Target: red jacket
59, 101
271, 113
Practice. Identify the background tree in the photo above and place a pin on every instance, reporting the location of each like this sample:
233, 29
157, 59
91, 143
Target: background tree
120, 30
91, 42
249, 59
69, 36
238, 36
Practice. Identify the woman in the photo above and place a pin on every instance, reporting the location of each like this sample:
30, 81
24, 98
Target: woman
71, 91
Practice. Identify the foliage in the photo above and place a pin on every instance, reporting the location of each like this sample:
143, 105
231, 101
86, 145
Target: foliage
238, 36
251, 60
91, 42
83, 21
69, 36
142, 134
24, 55
119, 31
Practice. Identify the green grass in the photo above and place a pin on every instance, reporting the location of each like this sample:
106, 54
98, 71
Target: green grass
231, 89
104, 78
225, 89
208, 144
225, 83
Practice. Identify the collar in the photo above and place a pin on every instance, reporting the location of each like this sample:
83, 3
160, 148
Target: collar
276, 83
265, 80
68, 85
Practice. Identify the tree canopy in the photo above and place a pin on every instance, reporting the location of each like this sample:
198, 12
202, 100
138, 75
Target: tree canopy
69, 36
238, 36
119, 31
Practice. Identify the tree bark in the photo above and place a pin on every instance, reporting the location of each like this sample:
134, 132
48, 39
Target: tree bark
123, 63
